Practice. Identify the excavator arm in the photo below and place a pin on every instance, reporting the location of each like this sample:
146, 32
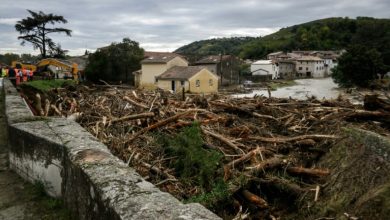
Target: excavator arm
29, 66
72, 68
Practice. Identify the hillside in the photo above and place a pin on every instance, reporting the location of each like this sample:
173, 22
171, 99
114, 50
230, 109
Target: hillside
196, 49
324, 34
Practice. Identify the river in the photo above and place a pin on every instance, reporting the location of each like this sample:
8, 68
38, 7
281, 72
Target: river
320, 88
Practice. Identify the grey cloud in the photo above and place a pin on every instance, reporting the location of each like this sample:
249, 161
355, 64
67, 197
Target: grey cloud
166, 25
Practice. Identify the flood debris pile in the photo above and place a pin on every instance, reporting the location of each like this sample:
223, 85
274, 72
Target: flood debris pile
253, 158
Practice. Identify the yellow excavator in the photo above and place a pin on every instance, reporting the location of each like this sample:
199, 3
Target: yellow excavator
29, 66
51, 67
60, 68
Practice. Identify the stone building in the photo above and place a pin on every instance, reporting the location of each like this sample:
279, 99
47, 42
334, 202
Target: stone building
226, 67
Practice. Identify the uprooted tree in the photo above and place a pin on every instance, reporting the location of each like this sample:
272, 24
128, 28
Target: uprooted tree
115, 62
36, 28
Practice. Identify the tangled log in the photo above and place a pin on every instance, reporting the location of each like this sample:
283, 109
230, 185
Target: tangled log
266, 164
224, 140
262, 141
242, 159
255, 199
297, 138
159, 124
135, 103
309, 172
282, 184
133, 117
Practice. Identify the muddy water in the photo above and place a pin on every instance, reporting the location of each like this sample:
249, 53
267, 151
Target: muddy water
320, 88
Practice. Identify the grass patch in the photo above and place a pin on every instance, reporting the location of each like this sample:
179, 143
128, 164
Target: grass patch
274, 85
46, 85
47, 207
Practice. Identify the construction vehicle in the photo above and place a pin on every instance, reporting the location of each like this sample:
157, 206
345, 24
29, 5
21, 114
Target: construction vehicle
20, 65
58, 68
51, 68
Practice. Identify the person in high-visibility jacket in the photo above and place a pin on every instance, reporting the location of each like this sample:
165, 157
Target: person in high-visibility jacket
31, 75
28, 74
17, 76
24, 74
4, 72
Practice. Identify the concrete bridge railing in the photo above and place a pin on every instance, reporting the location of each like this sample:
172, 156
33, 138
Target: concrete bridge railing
75, 166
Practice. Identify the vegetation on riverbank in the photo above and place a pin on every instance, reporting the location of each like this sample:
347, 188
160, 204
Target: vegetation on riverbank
46, 85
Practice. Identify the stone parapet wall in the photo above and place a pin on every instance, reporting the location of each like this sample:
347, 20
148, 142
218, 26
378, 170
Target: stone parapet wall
75, 166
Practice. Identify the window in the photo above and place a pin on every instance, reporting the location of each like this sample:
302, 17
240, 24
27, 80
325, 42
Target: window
156, 80
211, 82
300, 68
307, 68
182, 83
197, 83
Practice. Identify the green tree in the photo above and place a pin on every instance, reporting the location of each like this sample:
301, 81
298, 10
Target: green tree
115, 62
58, 52
253, 51
29, 58
8, 58
358, 66
35, 29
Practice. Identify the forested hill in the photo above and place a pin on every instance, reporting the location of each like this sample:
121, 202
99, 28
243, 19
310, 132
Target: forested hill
324, 34
215, 46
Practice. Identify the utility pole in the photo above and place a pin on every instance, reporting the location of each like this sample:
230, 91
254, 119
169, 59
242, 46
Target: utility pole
220, 69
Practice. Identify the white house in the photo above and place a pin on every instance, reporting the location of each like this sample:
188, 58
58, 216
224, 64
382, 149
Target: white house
310, 66
265, 68
330, 63
330, 59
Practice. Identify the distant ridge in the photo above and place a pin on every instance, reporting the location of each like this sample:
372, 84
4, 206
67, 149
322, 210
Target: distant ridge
323, 34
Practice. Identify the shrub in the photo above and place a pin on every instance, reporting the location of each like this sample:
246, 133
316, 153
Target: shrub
193, 163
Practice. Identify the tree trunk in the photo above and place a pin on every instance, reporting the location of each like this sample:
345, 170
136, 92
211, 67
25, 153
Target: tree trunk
43, 42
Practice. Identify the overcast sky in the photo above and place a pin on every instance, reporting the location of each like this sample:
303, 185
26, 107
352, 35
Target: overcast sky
165, 25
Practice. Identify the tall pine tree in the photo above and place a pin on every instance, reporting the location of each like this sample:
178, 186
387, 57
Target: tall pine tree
36, 28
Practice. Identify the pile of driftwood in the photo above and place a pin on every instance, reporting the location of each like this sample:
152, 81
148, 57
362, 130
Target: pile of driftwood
274, 144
